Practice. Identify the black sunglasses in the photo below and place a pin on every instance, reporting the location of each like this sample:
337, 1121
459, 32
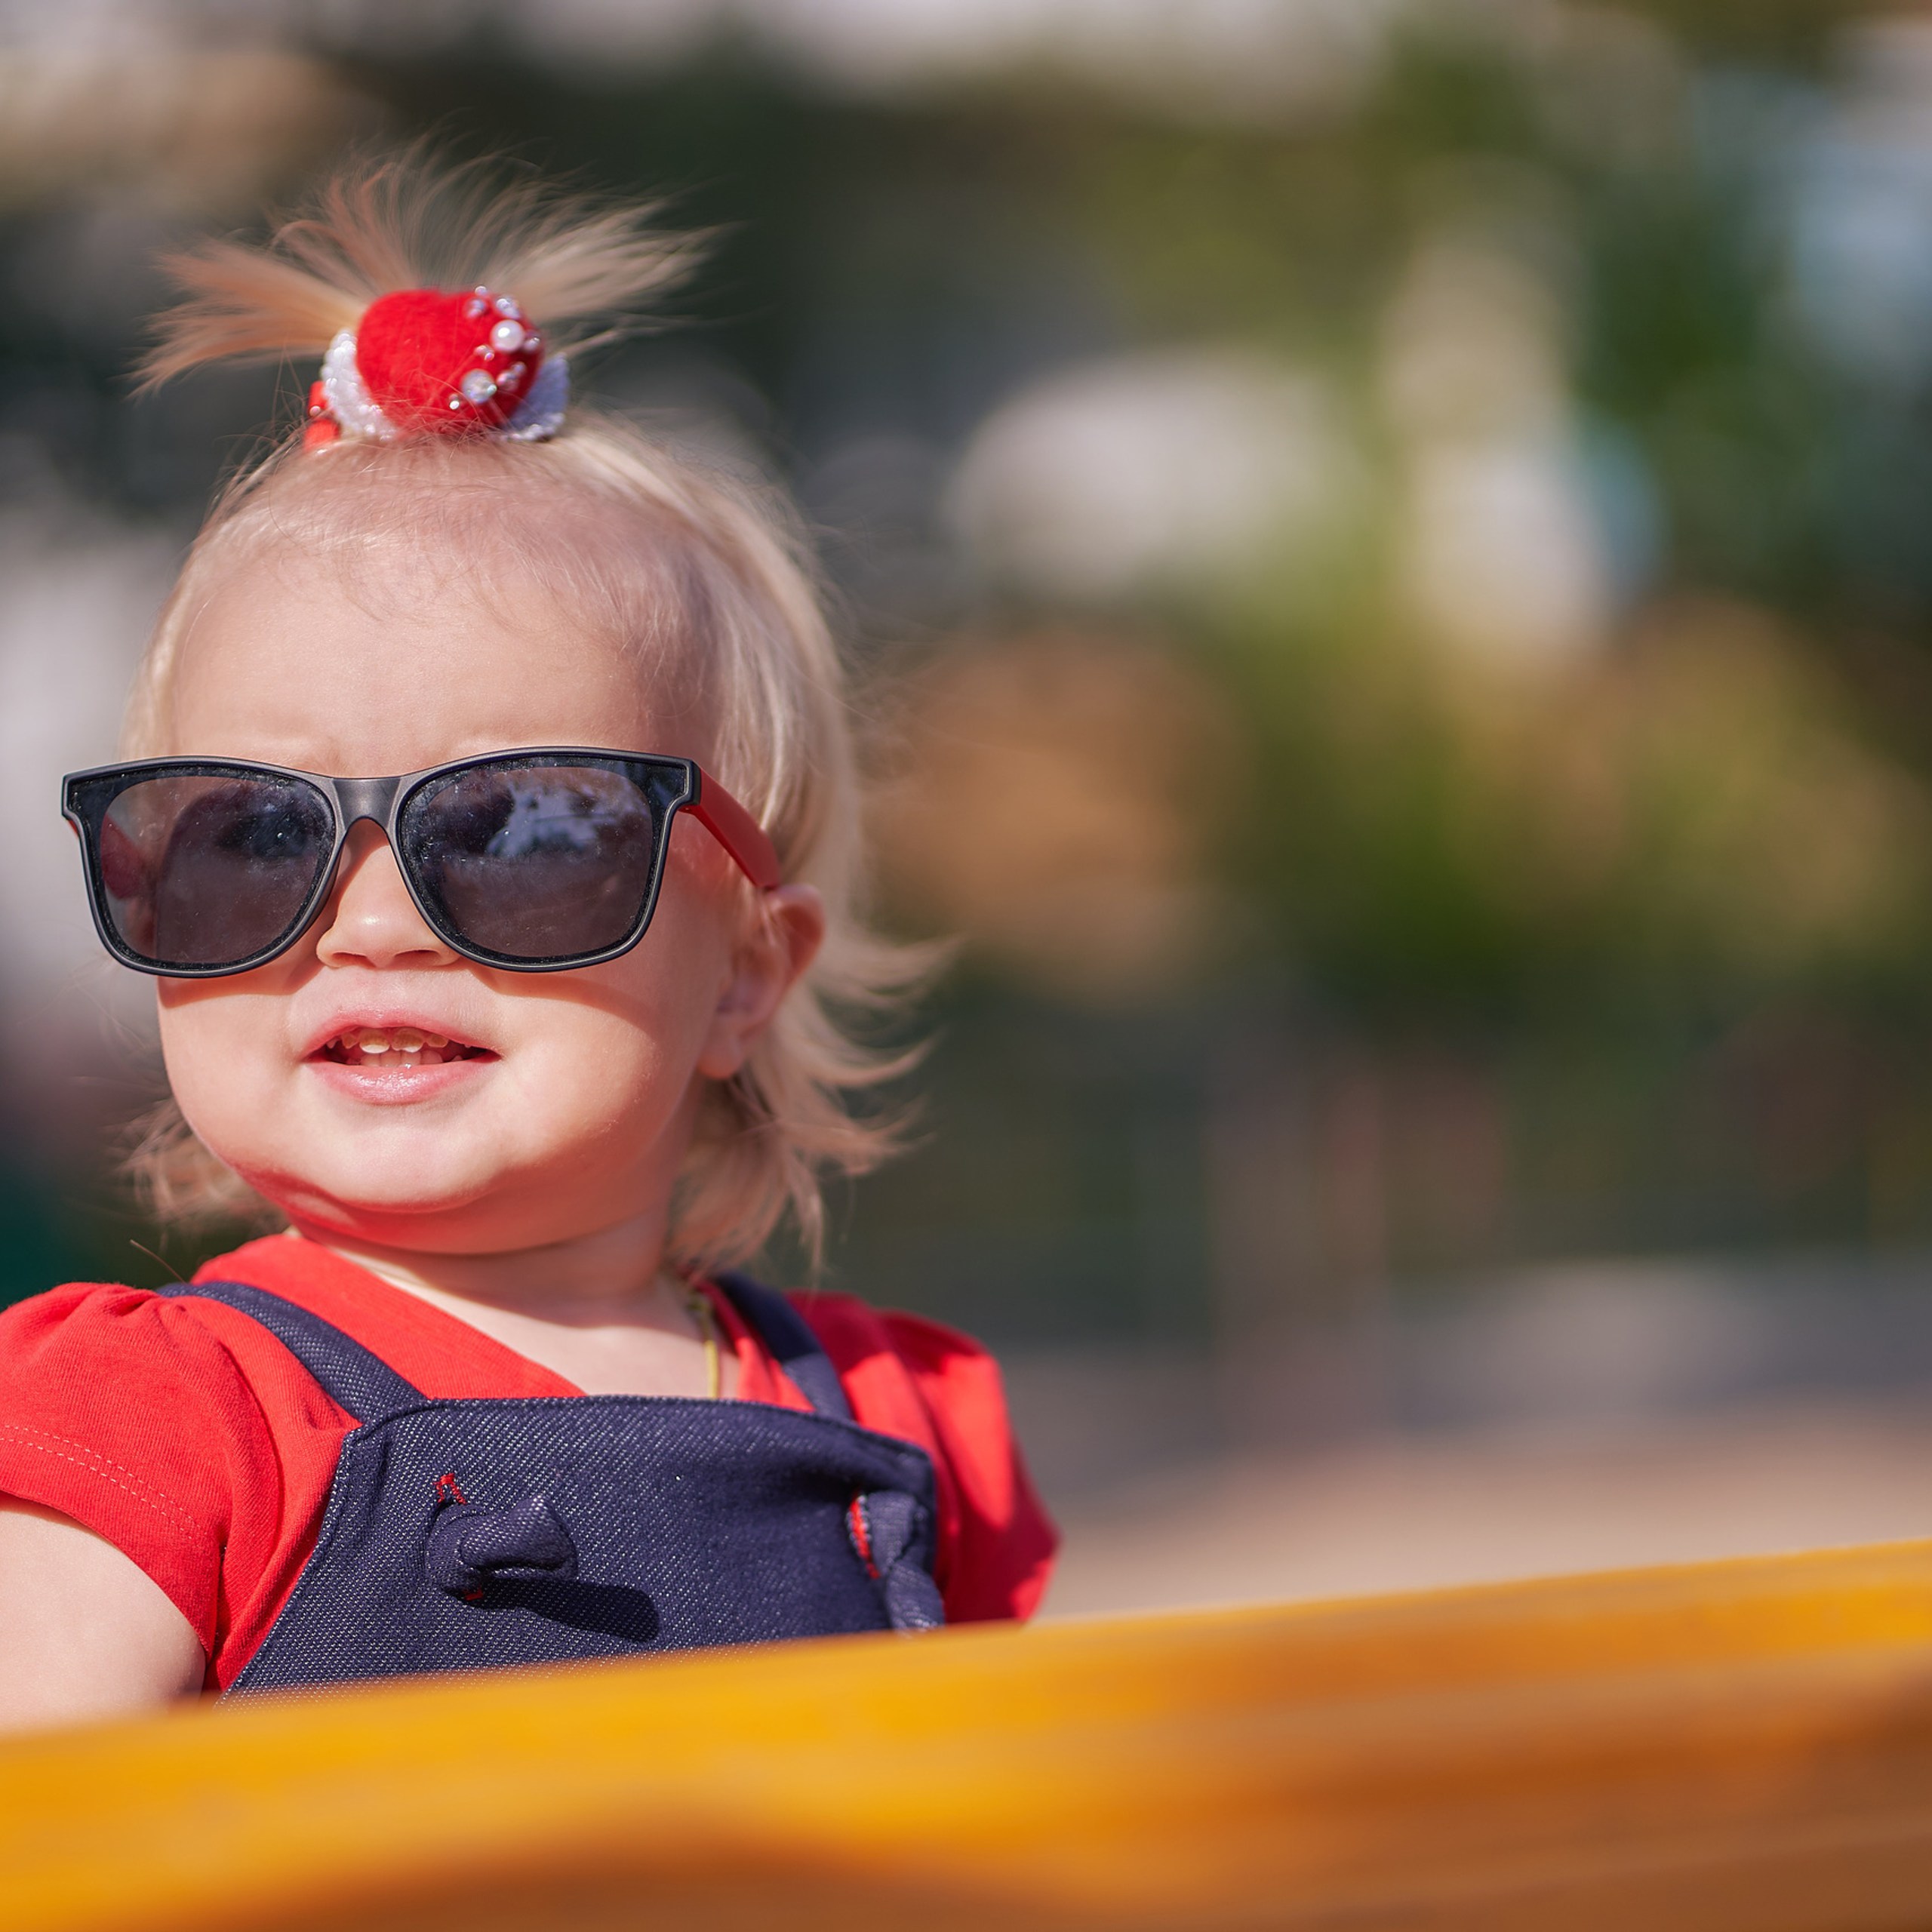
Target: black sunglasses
535, 861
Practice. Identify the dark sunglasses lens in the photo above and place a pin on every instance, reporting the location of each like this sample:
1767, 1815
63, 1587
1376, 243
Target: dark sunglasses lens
533, 863
211, 869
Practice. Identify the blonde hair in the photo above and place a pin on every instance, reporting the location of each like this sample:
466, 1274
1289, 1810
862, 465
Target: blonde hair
707, 581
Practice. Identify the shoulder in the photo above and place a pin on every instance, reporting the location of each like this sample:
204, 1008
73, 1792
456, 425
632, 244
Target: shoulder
179, 1430
140, 1380
74, 1364
124, 1410
918, 1379
102, 1344
887, 1359
71, 1330
852, 1329
904, 1374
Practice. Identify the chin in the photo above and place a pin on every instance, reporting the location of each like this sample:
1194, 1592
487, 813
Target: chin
379, 1203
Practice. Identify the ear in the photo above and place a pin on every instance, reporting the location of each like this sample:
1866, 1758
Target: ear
782, 940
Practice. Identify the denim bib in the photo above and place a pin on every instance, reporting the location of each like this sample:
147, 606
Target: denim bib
471, 1534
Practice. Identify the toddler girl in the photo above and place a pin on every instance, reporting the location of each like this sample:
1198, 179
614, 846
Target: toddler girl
486, 819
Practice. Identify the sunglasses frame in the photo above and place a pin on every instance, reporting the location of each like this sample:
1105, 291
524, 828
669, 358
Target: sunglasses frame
670, 784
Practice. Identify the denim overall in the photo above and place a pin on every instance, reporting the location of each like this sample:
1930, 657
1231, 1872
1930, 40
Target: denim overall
468, 1533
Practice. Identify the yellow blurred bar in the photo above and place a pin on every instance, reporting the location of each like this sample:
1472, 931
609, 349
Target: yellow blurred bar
1743, 1745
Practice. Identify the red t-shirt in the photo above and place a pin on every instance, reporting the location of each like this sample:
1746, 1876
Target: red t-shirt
185, 1435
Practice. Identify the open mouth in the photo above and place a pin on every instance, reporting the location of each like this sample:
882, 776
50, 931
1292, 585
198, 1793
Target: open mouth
397, 1049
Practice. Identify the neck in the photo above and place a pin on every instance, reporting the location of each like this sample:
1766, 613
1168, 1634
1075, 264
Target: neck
614, 1275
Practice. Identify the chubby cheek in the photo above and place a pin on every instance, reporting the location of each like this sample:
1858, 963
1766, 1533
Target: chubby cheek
604, 1060
592, 1076
228, 1059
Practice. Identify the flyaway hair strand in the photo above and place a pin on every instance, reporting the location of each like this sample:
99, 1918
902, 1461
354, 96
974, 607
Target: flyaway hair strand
411, 223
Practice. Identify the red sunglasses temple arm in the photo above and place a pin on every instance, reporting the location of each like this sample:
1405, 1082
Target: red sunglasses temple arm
737, 831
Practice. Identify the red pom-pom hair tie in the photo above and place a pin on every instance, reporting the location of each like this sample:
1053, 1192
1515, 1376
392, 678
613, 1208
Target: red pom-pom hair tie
423, 361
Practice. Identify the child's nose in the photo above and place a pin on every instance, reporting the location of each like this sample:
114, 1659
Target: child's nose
370, 917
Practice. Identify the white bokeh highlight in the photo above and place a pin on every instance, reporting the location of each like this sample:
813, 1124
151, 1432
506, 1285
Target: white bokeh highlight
1121, 474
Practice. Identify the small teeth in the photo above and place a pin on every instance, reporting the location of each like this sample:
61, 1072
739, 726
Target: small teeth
394, 1046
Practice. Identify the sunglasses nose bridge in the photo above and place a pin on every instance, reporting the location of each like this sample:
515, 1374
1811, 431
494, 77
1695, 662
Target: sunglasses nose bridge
357, 798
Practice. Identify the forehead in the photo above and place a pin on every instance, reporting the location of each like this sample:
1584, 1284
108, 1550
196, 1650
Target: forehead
378, 656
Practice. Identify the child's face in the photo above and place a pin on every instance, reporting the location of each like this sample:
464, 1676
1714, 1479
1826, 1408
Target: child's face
574, 1115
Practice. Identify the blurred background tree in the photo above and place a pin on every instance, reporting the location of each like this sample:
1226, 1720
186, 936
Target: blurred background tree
1385, 540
